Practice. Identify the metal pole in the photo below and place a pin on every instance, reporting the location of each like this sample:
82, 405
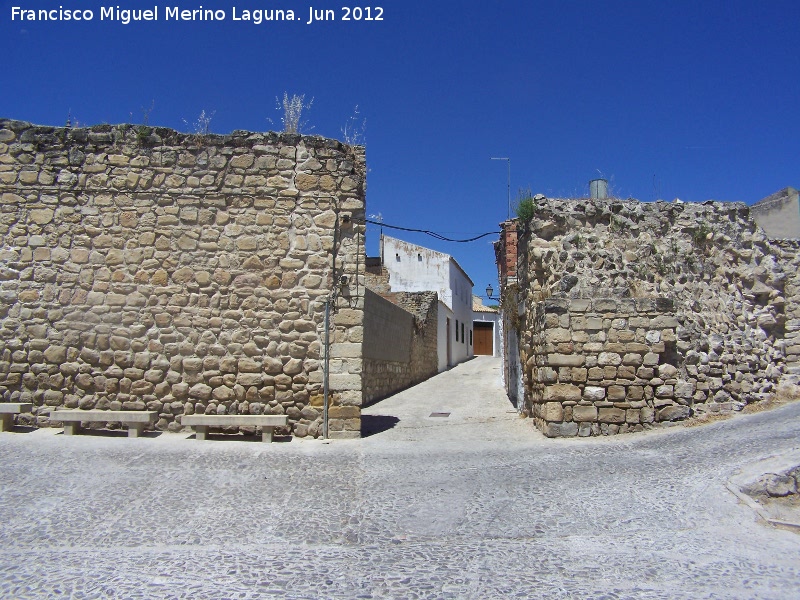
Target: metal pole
509, 188
326, 368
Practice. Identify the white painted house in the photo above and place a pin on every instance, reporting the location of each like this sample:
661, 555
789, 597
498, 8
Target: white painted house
413, 268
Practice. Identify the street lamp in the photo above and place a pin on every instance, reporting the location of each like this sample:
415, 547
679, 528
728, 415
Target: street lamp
508, 160
489, 290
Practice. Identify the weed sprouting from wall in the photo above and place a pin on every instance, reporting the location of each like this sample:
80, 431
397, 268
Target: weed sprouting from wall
292, 109
354, 130
202, 126
525, 206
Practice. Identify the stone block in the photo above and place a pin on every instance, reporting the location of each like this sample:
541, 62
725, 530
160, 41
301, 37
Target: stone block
593, 323
584, 413
552, 411
673, 413
562, 391
579, 305
626, 372
565, 360
664, 322
548, 375
558, 335
605, 305
615, 393
611, 415
684, 389
650, 359
634, 392
579, 375
667, 371
609, 358
595, 374
594, 393
632, 359
664, 391
568, 429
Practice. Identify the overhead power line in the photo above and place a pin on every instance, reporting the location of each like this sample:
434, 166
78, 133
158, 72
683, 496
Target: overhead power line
433, 234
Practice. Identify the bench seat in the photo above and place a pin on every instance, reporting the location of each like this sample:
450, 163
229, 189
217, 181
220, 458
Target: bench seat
135, 420
201, 423
8, 410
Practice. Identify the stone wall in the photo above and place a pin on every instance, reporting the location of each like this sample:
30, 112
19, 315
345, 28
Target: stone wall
400, 349
723, 277
788, 254
606, 366
142, 268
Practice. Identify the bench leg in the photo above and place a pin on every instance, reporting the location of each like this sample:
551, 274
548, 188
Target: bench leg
72, 428
200, 432
266, 434
6, 422
135, 430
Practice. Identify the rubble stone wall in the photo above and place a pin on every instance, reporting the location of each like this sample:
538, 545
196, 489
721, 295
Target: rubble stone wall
728, 285
141, 268
400, 347
788, 254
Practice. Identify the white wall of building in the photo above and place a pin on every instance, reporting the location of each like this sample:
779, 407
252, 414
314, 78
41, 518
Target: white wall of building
444, 314
413, 268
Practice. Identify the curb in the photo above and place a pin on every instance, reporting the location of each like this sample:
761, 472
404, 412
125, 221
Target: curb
773, 464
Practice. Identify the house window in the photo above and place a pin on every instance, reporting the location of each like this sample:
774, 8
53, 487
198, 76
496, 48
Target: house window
470, 337
462, 333
419, 257
397, 257
456, 329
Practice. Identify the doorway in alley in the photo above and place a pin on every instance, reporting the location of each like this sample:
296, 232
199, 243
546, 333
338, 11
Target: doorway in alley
484, 338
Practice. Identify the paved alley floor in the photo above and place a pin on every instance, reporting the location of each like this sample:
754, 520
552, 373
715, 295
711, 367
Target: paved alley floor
473, 505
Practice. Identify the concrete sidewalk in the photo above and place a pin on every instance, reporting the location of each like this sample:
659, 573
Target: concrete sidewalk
468, 403
474, 505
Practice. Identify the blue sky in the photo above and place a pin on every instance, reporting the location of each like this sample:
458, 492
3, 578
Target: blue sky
696, 100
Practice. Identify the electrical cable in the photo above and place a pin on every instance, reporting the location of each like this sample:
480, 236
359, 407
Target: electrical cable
433, 234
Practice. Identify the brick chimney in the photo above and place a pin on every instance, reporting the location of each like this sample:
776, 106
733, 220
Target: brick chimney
505, 251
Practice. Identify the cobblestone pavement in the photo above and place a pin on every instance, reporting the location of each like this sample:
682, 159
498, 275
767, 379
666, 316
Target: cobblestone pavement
473, 505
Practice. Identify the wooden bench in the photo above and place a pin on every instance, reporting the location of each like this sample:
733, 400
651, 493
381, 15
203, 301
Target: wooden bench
201, 423
7, 412
135, 420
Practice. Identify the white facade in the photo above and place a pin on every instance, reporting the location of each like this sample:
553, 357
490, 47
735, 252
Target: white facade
414, 268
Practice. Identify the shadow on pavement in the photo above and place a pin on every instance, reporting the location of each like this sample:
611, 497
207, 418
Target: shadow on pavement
372, 424
242, 437
23, 429
123, 433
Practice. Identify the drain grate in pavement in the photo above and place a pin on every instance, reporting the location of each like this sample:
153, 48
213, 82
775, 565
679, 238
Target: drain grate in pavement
440, 414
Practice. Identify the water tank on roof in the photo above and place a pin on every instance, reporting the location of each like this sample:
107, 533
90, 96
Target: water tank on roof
598, 189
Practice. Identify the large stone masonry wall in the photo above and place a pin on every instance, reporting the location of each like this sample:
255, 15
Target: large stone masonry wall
142, 268
727, 283
606, 366
400, 341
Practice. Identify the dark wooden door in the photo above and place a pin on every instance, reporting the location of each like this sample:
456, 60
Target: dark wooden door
484, 338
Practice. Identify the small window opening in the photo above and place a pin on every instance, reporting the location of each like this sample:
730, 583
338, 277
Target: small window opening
397, 257
419, 257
